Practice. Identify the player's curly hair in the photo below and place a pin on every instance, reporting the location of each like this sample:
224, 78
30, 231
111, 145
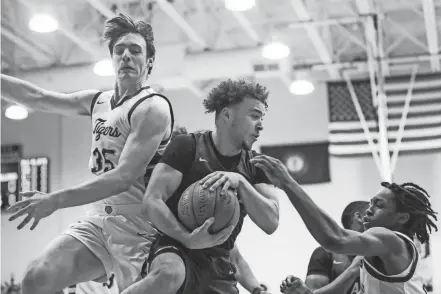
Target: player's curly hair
414, 200
349, 211
232, 92
121, 25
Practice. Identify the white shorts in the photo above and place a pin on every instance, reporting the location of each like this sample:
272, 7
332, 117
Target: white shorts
119, 242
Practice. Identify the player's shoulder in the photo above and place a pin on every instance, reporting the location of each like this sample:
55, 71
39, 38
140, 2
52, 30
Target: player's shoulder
184, 140
320, 253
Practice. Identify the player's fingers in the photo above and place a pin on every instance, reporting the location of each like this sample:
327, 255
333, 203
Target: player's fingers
35, 223
19, 213
207, 224
208, 182
225, 188
25, 221
19, 205
218, 183
207, 177
223, 235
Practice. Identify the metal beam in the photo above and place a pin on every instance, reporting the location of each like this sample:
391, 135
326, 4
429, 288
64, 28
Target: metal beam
431, 32
34, 51
246, 26
79, 41
182, 23
314, 36
408, 35
102, 8
371, 28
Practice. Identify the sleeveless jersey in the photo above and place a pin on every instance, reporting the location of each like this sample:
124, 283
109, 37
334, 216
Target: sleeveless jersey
410, 281
204, 163
110, 128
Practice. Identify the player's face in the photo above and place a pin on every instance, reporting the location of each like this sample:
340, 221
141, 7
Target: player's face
130, 57
382, 211
247, 122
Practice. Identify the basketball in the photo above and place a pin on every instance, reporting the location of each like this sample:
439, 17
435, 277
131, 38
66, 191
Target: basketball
196, 205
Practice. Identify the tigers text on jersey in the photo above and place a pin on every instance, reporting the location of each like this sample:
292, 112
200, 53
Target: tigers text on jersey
410, 281
110, 129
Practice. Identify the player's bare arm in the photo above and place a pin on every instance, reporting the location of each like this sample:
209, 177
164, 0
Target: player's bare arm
164, 181
327, 232
34, 97
260, 200
316, 281
244, 274
149, 123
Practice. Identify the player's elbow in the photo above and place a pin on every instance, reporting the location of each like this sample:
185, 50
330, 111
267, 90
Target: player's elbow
125, 180
272, 225
333, 243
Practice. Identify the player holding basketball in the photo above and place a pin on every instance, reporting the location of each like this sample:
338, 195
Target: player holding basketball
131, 128
216, 158
396, 214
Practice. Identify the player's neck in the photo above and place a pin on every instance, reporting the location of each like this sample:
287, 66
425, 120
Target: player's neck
223, 145
126, 88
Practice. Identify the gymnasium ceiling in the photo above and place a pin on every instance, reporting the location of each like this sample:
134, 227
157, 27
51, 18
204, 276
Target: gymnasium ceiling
323, 35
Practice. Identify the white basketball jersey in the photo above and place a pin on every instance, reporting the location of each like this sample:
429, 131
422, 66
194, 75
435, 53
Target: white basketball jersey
410, 281
110, 129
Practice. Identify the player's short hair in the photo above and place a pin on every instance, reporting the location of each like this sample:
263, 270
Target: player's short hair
349, 211
121, 25
414, 200
232, 92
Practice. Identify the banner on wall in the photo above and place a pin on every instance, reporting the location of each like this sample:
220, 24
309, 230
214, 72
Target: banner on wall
307, 163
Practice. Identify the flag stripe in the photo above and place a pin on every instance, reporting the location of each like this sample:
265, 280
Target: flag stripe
422, 129
436, 126
421, 134
365, 149
390, 140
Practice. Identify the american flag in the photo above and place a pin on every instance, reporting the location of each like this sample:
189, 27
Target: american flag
422, 131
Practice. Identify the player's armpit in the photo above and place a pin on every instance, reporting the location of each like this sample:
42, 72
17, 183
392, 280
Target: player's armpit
372, 242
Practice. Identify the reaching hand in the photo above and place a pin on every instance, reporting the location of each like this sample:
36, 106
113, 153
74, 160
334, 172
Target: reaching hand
294, 285
229, 180
273, 168
37, 207
201, 238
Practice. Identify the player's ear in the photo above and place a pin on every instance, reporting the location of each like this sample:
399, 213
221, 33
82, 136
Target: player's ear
226, 113
403, 217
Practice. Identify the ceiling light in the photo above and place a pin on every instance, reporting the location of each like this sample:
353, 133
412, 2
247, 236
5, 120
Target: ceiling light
301, 87
104, 68
275, 50
239, 5
43, 23
16, 112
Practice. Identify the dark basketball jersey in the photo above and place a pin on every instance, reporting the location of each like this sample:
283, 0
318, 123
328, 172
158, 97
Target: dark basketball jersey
205, 162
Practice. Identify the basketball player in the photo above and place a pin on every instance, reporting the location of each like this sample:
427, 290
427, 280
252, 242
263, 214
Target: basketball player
223, 154
131, 127
396, 214
336, 273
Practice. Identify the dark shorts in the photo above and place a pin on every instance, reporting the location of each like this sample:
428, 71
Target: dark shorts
206, 271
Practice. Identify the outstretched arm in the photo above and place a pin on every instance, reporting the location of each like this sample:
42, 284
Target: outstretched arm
149, 123
244, 274
34, 97
327, 232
